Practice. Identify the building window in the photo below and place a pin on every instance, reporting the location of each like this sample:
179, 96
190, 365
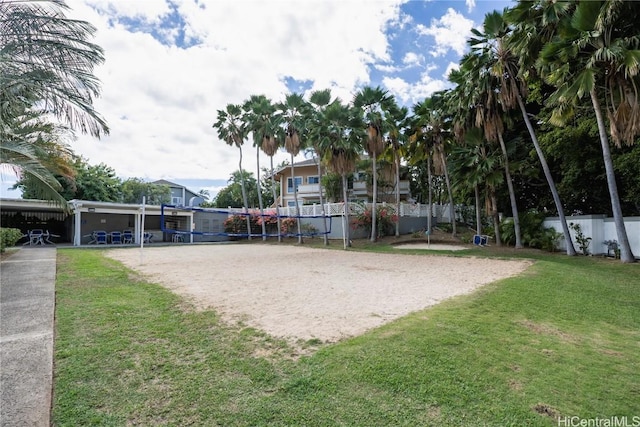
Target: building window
315, 179
176, 200
290, 184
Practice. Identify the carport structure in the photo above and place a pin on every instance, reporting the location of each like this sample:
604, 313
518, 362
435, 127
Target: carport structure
91, 216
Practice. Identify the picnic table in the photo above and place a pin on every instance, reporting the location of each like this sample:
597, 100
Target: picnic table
39, 237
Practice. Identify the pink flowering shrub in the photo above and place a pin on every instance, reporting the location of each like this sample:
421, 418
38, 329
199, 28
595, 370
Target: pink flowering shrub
385, 220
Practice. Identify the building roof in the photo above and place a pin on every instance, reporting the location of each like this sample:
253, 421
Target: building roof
307, 162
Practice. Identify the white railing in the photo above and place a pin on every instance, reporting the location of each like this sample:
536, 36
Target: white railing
337, 209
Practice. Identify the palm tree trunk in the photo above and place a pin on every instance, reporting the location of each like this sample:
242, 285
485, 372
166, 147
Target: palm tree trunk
245, 201
495, 215
397, 161
571, 251
512, 194
625, 249
452, 214
322, 211
345, 225
295, 200
275, 200
264, 226
374, 211
478, 211
429, 219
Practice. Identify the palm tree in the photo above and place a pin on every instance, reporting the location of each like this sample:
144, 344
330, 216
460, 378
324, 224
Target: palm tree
375, 105
319, 100
399, 123
34, 151
597, 52
259, 118
474, 163
231, 129
502, 63
431, 122
46, 64
343, 128
294, 113
477, 92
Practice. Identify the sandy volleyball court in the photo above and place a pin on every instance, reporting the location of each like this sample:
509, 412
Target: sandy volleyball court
304, 293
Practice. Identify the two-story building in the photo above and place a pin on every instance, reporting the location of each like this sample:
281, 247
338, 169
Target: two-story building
307, 182
180, 195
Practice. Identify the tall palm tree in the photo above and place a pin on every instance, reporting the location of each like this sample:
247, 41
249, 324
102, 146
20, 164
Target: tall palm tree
231, 129
420, 151
294, 113
502, 63
375, 105
477, 92
344, 130
433, 126
46, 64
259, 118
597, 52
398, 125
319, 101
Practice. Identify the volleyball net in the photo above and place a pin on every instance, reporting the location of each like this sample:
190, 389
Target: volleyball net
234, 223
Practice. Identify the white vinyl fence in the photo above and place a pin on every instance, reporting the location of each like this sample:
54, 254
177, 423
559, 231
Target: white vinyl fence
600, 228
337, 209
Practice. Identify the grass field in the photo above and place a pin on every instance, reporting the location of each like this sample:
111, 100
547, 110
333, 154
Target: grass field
561, 340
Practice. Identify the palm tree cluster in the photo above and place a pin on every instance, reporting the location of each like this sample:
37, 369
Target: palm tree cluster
46, 70
562, 51
332, 129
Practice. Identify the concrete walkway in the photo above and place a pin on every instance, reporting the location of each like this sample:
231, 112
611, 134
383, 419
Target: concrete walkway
27, 299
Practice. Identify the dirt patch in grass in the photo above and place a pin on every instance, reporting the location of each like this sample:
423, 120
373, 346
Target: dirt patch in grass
305, 293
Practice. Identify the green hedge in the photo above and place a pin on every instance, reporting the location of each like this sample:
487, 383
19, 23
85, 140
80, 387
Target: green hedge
9, 237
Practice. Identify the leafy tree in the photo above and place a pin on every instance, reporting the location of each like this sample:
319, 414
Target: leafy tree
134, 188
232, 194
85, 182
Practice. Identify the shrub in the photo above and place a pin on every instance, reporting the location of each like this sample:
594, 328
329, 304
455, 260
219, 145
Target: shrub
237, 224
385, 219
547, 240
583, 241
532, 232
289, 225
9, 237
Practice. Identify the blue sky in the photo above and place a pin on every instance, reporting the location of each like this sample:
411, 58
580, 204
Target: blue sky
170, 65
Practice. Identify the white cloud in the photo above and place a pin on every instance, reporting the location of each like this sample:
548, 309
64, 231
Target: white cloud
412, 59
161, 100
411, 93
471, 4
450, 33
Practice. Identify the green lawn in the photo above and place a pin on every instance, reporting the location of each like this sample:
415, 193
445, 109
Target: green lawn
561, 340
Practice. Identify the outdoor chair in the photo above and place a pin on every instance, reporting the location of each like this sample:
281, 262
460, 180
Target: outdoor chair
127, 236
101, 237
480, 240
116, 237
